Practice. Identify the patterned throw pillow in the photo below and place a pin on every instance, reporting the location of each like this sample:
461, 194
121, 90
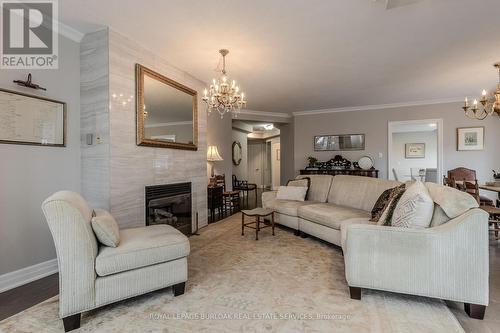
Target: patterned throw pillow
414, 209
383, 202
386, 217
301, 182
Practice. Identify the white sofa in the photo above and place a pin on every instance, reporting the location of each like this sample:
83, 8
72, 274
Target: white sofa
92, 275
447, 261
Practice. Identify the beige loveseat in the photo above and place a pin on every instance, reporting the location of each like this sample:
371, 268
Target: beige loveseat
449, 260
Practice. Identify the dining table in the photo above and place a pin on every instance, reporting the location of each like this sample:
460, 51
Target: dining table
491, 188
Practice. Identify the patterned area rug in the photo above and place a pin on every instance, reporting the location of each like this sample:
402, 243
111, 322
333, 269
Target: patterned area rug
236, 284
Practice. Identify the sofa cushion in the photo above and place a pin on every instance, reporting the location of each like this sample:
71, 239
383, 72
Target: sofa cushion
287, 207
414, 209
330, 215
439, 217
320, 186
140, 247
452, 201
105, 227
303, 182
297, 193
358, 192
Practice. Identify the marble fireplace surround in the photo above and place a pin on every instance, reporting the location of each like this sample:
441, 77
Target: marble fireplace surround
116, 170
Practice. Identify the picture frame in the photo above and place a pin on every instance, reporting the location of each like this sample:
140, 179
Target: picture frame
342, 142
414, 150
32, 120
470, 138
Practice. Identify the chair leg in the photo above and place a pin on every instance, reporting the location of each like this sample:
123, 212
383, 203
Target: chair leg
179, 288
71, 322
475, 311
355, 292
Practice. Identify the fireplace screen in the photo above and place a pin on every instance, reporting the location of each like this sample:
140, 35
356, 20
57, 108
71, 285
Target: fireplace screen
169, 204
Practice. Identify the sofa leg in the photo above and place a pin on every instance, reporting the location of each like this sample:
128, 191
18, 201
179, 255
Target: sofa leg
71, 322
475, 311
296, 233
179, 288
355, 292
303, 235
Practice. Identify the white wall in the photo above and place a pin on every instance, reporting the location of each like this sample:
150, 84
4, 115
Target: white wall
219, 133
374, 124
29, 174
402, 164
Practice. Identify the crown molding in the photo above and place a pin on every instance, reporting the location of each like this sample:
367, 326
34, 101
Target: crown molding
378, 106
265, 113
70, 33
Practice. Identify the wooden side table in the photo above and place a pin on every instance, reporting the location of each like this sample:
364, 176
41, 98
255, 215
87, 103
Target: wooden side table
258, 213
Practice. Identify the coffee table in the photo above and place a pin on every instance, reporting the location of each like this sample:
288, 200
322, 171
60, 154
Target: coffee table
258, 213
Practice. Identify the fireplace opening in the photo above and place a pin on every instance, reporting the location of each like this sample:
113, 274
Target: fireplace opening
169, 204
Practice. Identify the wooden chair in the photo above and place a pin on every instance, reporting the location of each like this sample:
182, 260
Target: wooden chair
494, 221
245, 187
465, 180
231, 199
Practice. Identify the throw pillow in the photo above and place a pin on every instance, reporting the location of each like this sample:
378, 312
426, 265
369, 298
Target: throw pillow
105, 228
414, 209
303, 182
296, 193
382, 203
386, 217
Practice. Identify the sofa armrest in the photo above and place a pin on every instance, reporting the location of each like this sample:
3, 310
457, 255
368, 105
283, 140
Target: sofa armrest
448, 262
268, 198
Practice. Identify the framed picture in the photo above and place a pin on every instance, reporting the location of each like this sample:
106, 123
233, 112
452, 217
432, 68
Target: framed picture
415, 150
470, 138
339, 142
31, 120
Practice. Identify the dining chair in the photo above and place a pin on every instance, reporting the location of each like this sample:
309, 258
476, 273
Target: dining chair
395, 174
465, 180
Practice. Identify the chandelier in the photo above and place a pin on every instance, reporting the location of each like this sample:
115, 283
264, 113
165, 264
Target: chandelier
224, 95
489, 104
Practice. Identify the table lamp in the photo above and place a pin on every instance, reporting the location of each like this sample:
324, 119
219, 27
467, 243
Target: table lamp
213, 156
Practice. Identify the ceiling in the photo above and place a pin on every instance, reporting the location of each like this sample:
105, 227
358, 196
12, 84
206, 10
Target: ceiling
291, 55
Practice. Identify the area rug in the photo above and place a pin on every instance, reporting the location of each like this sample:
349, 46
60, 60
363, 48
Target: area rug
236, 284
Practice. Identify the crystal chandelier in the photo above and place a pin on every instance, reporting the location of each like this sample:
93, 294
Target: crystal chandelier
490, 104
224, 95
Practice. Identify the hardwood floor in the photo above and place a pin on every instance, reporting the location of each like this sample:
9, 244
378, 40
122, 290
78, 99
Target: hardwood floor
21, 298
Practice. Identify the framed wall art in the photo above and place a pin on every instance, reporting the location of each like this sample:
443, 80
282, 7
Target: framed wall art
415, 150
31, 120
470, 138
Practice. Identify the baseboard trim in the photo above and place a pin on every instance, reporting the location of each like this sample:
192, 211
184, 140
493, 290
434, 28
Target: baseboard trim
28, 274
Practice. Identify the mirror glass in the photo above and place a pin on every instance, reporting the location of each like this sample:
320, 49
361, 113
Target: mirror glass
236, 153
167, 112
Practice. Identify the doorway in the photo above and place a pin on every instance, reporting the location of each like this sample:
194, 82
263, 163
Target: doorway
415, 150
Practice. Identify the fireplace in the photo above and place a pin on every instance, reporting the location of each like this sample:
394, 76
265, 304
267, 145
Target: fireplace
169, 204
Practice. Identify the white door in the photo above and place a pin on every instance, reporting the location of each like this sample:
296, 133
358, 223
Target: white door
255, 163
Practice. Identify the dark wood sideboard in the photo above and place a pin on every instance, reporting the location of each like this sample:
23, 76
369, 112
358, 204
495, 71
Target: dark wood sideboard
352, 172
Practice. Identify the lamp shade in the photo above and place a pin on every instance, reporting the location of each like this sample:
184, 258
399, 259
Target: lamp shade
213, 154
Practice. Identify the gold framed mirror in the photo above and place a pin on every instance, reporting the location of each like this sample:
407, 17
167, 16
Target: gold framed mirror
167, 113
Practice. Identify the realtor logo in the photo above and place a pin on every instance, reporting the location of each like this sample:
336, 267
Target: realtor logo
29, 34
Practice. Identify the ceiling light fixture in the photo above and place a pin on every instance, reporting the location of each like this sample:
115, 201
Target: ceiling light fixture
490, 104
222, 96
268, 127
